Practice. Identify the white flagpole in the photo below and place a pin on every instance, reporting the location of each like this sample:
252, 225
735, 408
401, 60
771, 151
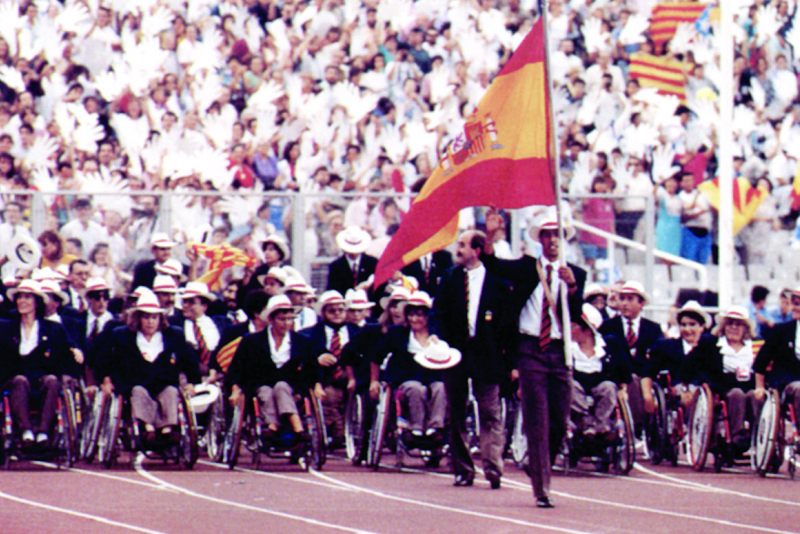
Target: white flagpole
566, 323
725, 144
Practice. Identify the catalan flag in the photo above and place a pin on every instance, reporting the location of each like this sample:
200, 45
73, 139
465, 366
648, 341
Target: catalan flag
795, 194
667, 16
225, 354
663, 73
501, 159
746, 200
221, 256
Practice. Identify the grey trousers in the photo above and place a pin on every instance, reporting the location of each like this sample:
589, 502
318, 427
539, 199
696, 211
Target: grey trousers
159, 412
604, 395
546, 390
20, 388
275, 401
742, 407
422, 402
333, 407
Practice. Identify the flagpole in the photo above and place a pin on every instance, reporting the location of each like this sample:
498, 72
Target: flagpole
725, 144
566, 323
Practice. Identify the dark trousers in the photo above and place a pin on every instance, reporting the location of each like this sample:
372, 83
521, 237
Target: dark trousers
20, 388
492, 433
545, 383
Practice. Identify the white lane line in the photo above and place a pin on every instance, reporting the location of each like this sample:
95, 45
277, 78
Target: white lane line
688, 484
82, 515
275, 475
445, 508
106, 476
141, 470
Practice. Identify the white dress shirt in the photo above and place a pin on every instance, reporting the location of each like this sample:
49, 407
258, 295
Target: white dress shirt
150, 349
207, 327
282, 354
475, 277
530, 320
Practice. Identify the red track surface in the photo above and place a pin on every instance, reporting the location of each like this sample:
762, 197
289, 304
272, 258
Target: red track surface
159, 498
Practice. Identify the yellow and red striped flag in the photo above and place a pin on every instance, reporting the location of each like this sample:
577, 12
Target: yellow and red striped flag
501, 159
225, 354
667, 16
663, 73
222, 257
795, 194
746, 200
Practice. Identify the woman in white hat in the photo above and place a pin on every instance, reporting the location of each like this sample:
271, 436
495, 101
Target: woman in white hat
149, 360
272, 365
35, 356
727, 367
421, 389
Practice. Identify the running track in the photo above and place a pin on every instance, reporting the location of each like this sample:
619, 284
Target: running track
151, 497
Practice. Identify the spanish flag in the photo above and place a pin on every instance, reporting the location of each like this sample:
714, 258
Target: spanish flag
667, 16
663, 73
746, 200
501, 159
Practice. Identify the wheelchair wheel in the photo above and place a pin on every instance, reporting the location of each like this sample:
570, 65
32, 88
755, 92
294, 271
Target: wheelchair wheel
625, 449
215, 431
701, 426
380, 422
766, 436
91, 427
315, 425
354, 428
67, 441
109, 430
657, 436
188, 449
233, 437
519, 441
473, 424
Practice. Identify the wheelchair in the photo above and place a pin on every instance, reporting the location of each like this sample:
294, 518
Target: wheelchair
89, 428
246, 425
517, 440
775, 438
615, 450
358, 416
388, 429
709, 431
118, 431
208, 406
60, 448
666, 430
473, 420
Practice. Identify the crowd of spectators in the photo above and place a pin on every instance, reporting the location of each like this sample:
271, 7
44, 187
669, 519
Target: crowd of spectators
361, 96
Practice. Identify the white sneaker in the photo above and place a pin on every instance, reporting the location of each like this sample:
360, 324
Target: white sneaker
27, 436
41, 437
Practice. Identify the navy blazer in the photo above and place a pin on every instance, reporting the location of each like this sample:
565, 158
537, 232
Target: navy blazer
616, 367
704, 365
523, 277
649, 333
123, 362
358, 353
319, 344
779, 350
252, 365
441, 262
50, 357
401, 366
487, 358
340, 276
666, 355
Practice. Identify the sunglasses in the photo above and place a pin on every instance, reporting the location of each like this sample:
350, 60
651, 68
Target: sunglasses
97, 295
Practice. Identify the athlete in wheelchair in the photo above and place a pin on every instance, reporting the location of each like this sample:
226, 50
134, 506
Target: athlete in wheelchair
777, 385
271, 373
724, 406
38, 418
409, 389
601, 425
147, 370
662, 388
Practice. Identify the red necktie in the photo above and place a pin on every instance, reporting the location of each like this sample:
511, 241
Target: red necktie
95, 329
466, 293
631, 337
202, 348
355, 274
81, 305
544, 330
336, 344
426, 263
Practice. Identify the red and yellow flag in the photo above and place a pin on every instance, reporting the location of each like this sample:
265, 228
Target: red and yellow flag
222, 257
663, 73
667, 16
746, 200
225, 354
501, 159
795, 194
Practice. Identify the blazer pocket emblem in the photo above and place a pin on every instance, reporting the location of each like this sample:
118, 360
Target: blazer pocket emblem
172, 359
488, 316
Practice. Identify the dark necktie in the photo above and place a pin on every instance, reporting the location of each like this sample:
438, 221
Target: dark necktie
202, 348
355, 274
544, 330
466, 293
631, 337
336, 350
95, 329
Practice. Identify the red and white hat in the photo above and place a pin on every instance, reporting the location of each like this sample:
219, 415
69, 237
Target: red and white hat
62, 273
693, 307
353, 240
549, 221
421, 299
276, 273
398, 293
297, 285
280, 243
197, 289
633, 288
46, 273
97, 284
147, 302
51, 287
171, 267
356, 299
161, 240
591, 316
276, 304
438, 355
327, 298
735, 312
164, 284
26, 286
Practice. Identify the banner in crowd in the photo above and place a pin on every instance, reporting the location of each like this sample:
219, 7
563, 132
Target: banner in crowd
667, 16
665, 74
501, 159
795, 194
221, 257
746, 200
